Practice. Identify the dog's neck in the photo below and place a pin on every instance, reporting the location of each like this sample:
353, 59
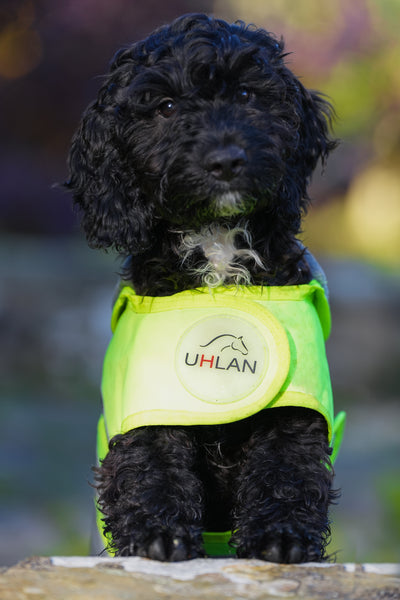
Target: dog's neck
215, 255
225, 263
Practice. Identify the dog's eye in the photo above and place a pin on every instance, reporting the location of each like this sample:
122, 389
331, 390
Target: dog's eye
243, 95
166, 108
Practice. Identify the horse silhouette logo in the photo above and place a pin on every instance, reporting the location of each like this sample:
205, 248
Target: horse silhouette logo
228, 340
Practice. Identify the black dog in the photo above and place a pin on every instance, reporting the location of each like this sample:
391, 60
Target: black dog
194, 161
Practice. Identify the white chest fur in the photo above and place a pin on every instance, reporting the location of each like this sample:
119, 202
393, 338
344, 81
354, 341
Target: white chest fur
225, 263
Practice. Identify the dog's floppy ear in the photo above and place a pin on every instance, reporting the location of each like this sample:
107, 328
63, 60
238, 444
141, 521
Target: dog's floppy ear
311, 119
103, 183
314, 141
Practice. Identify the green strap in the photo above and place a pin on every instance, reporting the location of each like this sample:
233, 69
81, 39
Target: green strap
338, 432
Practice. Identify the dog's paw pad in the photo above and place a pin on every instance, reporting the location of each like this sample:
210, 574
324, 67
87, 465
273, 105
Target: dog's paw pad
295, 554
179, 550
273, 552
157, 550
285, 546
167, 547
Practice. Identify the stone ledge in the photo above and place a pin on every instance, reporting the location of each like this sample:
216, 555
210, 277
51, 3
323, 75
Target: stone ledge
83, 578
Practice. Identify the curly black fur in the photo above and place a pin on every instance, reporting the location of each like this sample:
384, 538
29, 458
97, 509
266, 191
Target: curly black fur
201, 130
268, 478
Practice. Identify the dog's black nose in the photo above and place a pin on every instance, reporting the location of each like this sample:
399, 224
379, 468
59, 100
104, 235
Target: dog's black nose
225, 163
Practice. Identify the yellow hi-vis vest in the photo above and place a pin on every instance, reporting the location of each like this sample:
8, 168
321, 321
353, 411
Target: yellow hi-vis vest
204, 357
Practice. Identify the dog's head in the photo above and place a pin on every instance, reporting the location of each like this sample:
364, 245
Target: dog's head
201, 122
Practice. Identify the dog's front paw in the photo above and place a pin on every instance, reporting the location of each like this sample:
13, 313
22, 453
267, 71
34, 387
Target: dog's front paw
170, 548
165, 546
283, 546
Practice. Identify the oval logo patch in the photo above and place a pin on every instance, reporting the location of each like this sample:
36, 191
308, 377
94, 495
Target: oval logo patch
224, 358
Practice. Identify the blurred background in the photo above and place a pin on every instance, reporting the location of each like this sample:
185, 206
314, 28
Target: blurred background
55, 293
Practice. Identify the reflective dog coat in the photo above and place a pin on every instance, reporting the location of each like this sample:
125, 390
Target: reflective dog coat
204, 357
